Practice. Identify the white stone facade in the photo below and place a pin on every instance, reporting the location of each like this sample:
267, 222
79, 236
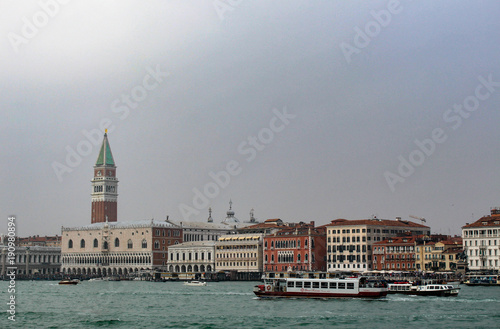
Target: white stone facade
192, 257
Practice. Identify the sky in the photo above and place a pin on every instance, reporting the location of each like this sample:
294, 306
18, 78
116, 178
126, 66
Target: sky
300, 110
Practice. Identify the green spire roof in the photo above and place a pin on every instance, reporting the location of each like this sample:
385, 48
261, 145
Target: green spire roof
105, 157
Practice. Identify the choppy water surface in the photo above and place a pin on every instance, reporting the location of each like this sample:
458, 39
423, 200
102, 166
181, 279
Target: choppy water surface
135, 304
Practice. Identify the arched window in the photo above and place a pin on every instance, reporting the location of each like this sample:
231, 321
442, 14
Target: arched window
305, 257
70, 244
144, 243
157, 245
105, 245
130, 245
298, 258
272, 244
96, 244
82, 243
117, 242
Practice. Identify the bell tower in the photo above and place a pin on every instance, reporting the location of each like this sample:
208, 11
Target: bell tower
104, 186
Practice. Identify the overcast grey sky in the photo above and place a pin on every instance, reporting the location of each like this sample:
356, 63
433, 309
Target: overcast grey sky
316, 109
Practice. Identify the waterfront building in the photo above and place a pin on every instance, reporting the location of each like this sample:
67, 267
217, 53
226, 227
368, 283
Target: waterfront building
349, 242
32, 261
481, 242
395, 254
239, 252
192, 257
297, 247
119, 248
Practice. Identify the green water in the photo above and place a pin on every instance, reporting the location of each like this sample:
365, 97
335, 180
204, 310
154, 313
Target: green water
138, 304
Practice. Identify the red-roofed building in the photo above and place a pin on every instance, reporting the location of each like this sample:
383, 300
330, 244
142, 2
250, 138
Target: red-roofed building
43, 241
350, 241
299, 247
396, 254
482, 241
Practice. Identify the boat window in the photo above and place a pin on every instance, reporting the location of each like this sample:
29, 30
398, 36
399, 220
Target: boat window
298, 284
307, 284
324, 285
290, 284
350, 285
341, 285
333, 285
316, 285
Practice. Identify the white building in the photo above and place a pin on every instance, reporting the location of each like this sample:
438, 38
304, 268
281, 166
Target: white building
192, 257
481, 241
117, 248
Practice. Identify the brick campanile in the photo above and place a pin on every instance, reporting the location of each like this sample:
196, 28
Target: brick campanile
104, 186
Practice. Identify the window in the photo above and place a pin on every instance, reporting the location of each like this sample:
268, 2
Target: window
315, 285
324, 285
333, 285
117, 242
70, 244
307, 284
144, 243
157, 245
350, 285
341, 285
298, 284
130, 245
105, 245
96, 244
82, 243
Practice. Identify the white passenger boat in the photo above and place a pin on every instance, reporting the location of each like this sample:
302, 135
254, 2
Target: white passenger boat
408, 288
195, 283
321, 288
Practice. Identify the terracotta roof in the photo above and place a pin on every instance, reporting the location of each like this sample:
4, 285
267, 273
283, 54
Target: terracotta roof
452, 241
453, 250
40, 239
493, 220
378, 222
398, 240
272, 220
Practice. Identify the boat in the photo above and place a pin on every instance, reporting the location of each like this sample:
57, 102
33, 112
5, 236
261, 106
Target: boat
482, 280
321, 288
195, 283
69, 281
408, 288
97, 279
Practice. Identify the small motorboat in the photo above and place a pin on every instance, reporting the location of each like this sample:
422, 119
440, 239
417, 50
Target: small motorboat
69, 281
195, 283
